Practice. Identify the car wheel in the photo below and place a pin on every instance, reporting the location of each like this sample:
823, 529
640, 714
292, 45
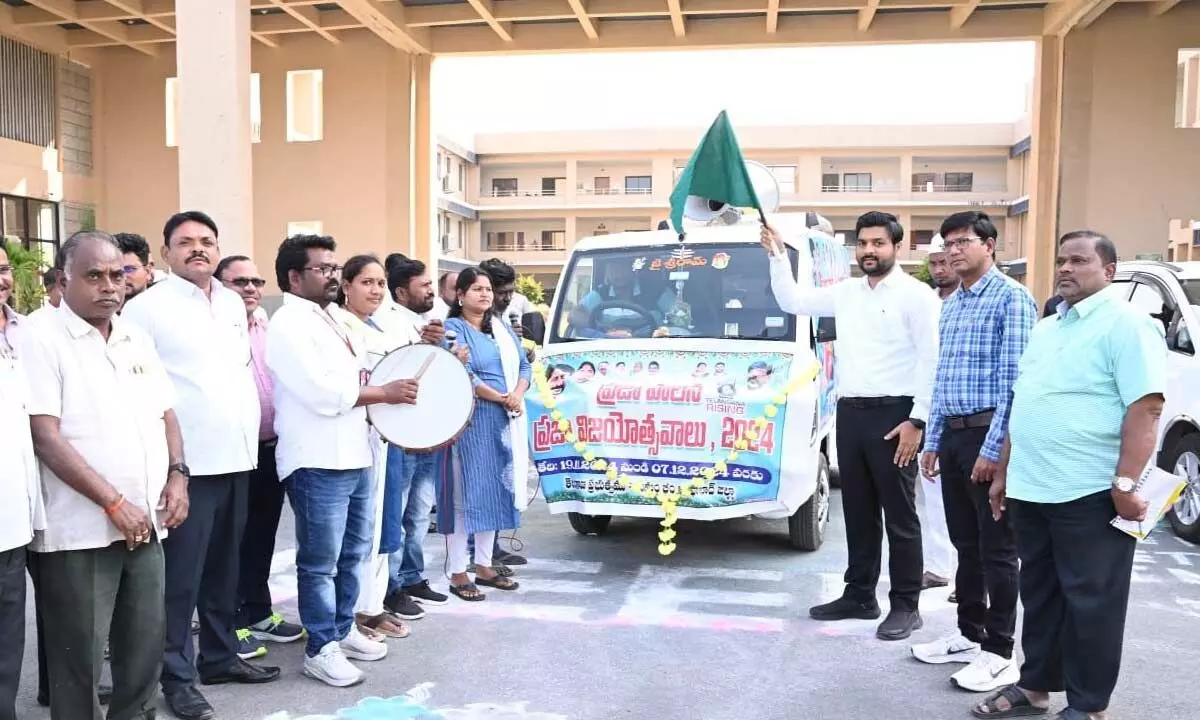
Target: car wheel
589, 524
806, 527
1184, 461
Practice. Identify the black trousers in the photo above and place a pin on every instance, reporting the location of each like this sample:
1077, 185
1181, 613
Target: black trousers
871, 484
986, 581
1075, 575
263, 506
12, 628
92, 596
33, 565
202, 573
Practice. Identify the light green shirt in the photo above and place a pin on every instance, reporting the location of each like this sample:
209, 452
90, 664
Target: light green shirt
1083, 368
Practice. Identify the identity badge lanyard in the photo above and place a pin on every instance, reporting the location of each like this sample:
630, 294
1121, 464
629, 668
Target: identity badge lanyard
364, 375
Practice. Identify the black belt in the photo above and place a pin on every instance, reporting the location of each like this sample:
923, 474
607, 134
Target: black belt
863, 403
978, 420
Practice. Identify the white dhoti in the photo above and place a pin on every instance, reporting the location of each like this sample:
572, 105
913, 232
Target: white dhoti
940, 558
373, 574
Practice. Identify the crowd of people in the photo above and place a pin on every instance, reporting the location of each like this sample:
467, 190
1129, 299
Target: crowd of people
1036, 433
154, 423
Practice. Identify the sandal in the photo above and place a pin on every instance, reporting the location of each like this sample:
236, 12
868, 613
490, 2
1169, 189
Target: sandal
498, 581
1018, 704
385, 624
468, 592
501, 570
370, 633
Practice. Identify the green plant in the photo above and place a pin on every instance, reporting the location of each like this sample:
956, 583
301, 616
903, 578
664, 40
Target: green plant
530, 287
922, 273
27, 266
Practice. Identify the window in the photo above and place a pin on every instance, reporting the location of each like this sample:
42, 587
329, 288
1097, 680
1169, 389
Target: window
550, 185
553, 240
462, 177
173, 110
602, 185
1187, 89
505, 240
919, 237
923, 182
856, 182
31, 223
959, 181
830, 182
604, 297
1148, 299
27, 93
637, 185
305, 118
305, 227
785, 175
504, 187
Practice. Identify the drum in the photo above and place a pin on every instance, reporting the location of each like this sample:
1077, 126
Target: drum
445, 400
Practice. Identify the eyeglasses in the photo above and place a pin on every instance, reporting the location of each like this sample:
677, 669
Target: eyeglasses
326, 270
961, 242
245, 282
131, 269
5, 269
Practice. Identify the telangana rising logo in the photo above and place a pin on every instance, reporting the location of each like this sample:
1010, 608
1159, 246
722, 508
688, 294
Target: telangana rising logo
612, 393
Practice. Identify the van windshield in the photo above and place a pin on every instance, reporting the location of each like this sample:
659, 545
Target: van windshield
685, 291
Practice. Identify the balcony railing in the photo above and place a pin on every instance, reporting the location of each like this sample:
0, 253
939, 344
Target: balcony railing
504, 193
929, 188
527, 245
616, 191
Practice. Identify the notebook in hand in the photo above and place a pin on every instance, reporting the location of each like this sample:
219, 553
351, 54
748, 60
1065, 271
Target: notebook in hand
1161, 490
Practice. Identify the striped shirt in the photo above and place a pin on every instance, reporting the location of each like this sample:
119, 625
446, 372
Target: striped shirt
984, 330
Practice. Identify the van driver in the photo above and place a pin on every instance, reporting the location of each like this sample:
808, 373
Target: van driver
620, 286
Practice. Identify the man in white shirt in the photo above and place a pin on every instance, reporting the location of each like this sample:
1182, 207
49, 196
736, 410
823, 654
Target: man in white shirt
199, 329
53, 292
20, 498
410, 483
446, 294
112, 483
324, 453
886, 355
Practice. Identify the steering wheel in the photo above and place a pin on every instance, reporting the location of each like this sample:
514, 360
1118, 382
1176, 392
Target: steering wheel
647, 320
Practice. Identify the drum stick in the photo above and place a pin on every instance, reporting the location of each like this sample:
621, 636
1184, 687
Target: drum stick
424, 366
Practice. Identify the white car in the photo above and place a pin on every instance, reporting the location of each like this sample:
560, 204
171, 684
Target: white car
1170, 293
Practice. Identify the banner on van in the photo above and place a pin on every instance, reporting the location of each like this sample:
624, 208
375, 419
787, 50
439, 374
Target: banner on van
661, 417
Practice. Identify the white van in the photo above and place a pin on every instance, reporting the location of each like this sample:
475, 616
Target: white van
661, 354
1170, 293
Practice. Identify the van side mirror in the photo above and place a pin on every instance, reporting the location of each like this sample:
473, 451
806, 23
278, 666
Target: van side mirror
1180, 341
534, 327
826, 330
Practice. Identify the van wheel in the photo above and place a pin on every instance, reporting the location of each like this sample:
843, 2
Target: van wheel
1184, 460
589, 524
806, 528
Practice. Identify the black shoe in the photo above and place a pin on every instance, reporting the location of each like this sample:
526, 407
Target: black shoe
899, 624
242, 673
401, 605
425, 595
507, 558
188, 704
953, 597
845, 608
104, 693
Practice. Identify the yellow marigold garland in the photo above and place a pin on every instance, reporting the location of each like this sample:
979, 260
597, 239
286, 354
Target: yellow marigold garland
667, 501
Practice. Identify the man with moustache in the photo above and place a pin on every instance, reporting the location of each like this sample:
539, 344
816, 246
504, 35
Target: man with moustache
935, 536
257, 620
139, 268
410, 492
112, 482
199, 328
324, 453
886, 354
985, 327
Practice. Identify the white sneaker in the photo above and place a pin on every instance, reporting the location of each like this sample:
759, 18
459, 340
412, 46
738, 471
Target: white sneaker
356, 646
331, 667
952, 648
988, 672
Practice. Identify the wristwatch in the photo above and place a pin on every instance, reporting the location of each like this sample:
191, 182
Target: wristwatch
918, 424
1124, 484
181, 469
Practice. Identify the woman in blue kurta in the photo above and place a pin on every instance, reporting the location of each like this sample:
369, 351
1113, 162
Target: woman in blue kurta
476, 478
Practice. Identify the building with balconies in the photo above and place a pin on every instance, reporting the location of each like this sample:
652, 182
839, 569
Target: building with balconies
529, 197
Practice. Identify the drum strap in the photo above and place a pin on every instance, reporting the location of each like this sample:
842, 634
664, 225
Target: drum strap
345, 338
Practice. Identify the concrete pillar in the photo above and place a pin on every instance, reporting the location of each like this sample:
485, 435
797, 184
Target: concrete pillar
212, 55
808, 177
906, 220
1044, 160
571, 231
906, 171
572, 183
425, 244
662, 177
397, 152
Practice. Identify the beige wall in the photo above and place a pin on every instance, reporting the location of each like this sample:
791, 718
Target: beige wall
355, 181
29, 170
1126, 170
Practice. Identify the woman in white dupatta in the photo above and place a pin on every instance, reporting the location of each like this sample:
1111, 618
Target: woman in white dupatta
363, 289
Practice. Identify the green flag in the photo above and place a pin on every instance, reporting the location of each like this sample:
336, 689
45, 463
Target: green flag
716, 171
